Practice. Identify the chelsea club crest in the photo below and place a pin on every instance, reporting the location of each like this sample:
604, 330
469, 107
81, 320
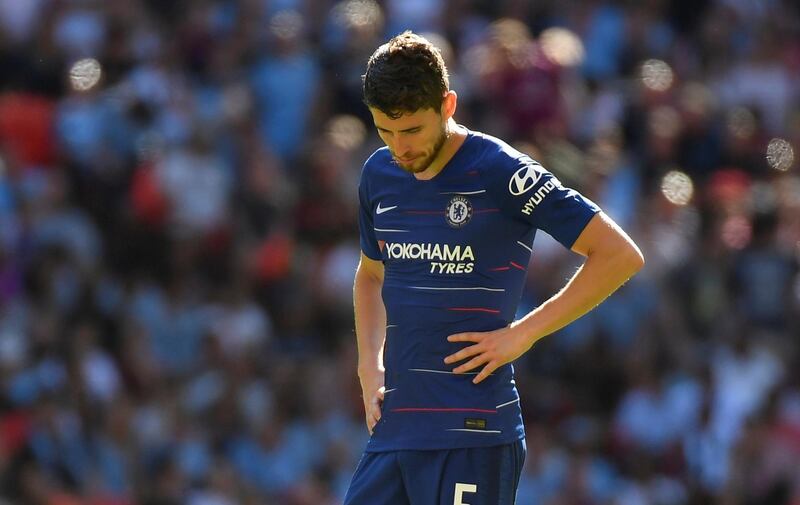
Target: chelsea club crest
459, 211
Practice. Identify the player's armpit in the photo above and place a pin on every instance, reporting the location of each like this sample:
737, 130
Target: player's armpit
370, 268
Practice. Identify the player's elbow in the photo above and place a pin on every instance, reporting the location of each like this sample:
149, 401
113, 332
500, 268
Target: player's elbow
632, 259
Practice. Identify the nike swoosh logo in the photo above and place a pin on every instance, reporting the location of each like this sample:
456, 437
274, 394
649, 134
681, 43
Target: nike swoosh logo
381, 210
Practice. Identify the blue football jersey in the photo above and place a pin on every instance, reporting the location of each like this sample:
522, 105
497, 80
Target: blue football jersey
455, 251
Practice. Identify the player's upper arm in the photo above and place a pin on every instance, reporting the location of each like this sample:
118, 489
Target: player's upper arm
366, 225
370, 268
602, 234
528, 192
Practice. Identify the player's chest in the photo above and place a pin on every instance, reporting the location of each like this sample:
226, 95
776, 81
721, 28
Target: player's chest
444, 230
449, 214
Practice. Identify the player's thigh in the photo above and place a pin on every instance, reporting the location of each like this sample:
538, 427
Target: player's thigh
377, 481
473, 476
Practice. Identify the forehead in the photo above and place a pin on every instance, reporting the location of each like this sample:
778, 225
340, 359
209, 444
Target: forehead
406, 120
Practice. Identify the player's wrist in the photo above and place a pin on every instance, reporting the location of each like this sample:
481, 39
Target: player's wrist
523, 334
369, 371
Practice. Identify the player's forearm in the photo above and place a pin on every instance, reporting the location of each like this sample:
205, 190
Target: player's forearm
602, 273
370, 321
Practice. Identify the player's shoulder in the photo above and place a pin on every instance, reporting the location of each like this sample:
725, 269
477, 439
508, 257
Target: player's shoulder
509, 175
378, 163
499, 161
499, 157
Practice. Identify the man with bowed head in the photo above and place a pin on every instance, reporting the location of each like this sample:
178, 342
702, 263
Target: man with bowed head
447, 222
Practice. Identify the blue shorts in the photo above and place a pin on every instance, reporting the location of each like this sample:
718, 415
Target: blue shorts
471, 476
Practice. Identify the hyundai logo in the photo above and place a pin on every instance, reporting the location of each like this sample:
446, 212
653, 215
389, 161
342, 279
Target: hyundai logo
524, 179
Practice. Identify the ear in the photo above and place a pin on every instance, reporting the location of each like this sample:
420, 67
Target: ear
449, 104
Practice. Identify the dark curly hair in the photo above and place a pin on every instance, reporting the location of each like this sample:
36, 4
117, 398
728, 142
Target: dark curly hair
404, 75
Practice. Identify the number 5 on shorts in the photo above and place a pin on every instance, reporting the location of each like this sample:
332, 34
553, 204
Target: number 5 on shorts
460, 490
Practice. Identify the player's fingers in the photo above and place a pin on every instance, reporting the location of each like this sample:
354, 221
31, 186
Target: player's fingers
471, 364
372, 408
373, 416
463, 354
380, 392
367, 414
465, 337
375, 406
486, 372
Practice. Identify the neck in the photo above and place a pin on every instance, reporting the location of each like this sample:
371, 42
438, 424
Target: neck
455, 137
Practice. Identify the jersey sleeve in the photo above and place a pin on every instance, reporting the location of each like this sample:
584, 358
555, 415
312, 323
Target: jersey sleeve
527, 191
366, 227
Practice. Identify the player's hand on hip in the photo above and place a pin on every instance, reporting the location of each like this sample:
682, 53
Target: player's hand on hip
491, 349
373, 408
372, 392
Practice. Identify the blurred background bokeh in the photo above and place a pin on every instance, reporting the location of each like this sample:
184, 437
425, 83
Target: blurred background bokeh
178, 239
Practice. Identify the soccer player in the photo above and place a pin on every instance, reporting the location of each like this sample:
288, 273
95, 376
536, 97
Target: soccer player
447, 222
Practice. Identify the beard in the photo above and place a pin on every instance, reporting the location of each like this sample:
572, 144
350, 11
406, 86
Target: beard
420, 165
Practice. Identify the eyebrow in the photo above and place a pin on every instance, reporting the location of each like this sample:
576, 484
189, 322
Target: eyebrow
404, 130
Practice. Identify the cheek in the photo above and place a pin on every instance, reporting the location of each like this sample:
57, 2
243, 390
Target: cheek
430, 144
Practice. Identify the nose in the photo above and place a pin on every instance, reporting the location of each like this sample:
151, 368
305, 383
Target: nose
402, 148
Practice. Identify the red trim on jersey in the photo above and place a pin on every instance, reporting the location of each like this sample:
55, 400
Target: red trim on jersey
499, 269
442, 212
474, 309
516, 265
420, 409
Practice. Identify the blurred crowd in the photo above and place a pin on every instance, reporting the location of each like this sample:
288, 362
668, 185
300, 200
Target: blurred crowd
178, 238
